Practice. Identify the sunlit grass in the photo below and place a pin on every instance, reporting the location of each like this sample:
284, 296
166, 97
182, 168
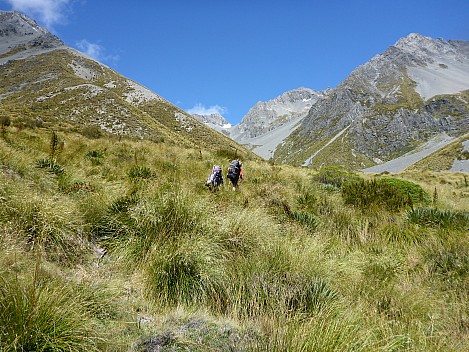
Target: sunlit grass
128, 236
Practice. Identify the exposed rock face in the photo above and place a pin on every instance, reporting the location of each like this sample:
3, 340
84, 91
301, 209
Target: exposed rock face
19, 33
215, 121
266, 116
383, 104
15, 24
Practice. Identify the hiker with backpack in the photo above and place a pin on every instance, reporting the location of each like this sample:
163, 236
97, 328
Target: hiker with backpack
215, 179
235, 172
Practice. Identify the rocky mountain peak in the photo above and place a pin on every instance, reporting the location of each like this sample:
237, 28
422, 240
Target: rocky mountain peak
426, 48
19, 35
15, 23
414, 91
413, 40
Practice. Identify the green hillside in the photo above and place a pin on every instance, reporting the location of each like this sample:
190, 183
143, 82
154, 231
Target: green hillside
115, 244
64, 87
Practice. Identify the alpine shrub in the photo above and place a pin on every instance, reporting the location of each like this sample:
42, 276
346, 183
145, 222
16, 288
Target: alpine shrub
366, 194
414, 190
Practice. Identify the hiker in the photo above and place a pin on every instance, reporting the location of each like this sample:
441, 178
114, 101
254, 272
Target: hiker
235, 172
215, 179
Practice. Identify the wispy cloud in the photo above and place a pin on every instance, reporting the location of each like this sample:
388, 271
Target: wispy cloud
200, 109
47, 12
97, 52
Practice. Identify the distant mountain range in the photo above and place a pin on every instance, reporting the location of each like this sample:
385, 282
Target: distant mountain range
45, 80
414, 95
413, 98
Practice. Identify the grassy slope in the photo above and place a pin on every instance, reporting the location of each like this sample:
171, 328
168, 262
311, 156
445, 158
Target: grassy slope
46, 87
283, 264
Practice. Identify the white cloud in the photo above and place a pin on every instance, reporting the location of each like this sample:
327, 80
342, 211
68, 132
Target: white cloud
96, 52
200, 109
48, 12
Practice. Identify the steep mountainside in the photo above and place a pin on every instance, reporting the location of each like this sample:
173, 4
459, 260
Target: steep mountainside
45, 82
267, 116
398, 100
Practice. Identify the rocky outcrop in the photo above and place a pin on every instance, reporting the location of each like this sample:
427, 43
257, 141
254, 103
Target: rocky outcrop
216, 121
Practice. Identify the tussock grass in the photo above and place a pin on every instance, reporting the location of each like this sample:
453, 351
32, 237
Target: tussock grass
128, 237
45, 224
187, 272
43, 316
328, 330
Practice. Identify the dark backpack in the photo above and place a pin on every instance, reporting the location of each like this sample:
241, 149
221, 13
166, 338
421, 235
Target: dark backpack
234, 169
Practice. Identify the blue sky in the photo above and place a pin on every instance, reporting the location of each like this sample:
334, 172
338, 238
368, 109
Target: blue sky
226, 55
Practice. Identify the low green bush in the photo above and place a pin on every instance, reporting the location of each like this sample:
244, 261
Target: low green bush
415, 191
391, 194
